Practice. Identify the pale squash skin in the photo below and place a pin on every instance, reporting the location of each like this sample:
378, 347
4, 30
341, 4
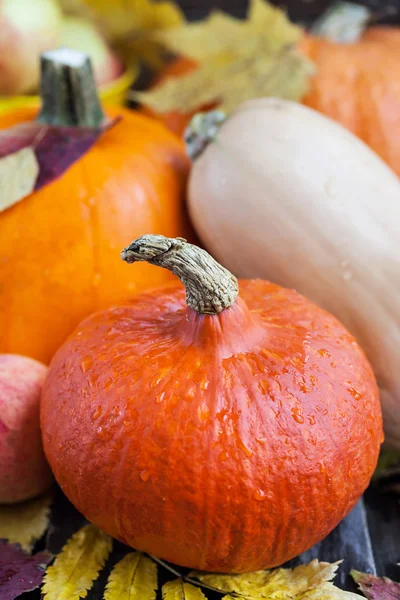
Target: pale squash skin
289, 195
59, 247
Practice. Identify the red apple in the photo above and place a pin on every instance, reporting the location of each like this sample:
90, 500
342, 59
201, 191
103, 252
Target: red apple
24, 472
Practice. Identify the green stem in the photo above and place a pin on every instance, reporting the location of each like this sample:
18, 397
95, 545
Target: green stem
68, 90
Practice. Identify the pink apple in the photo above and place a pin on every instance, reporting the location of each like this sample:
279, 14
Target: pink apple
27, 28
79, 34
24, 472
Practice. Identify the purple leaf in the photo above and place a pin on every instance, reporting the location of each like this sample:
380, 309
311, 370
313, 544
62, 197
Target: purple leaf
54, 148
20, 572
376, 588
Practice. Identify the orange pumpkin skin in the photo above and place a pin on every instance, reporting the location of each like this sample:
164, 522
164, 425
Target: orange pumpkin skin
358, 86
226, 443
355, 85
57, 246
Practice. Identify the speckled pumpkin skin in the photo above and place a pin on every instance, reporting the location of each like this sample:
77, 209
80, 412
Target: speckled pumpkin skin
225, 443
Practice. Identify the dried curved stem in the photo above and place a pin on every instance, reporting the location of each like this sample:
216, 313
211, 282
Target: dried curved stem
210, 288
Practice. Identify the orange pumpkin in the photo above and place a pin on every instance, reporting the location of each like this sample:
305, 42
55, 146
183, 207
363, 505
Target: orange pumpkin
229, 434
355, 84
57, 245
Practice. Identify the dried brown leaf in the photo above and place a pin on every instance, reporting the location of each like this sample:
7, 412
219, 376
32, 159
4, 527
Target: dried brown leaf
25, 523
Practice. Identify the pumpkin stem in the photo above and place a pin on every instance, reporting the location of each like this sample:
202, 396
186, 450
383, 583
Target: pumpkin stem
68, 90
343, 22
210, 288
202, 130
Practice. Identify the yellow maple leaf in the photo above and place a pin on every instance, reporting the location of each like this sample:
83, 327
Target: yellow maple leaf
133, 578
305, 582
238, 61
78, 565
180, 590
25, 523
129, 24
255, 73
220, 32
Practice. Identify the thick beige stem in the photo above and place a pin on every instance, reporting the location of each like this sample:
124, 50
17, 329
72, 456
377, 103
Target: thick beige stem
343, 22
210, 288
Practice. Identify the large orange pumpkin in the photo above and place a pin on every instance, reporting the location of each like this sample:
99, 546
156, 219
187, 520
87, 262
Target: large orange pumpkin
356, 84
57, 246
228, 434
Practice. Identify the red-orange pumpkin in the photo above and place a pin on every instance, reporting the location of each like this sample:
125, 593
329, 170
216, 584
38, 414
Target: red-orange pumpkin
57, 246
355, 84
227, 435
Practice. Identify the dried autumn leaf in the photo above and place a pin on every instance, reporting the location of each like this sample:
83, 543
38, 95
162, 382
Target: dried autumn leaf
311, 582
32, 155
252, 74
133, 578
20, 572
376, 588
25, 523
78, 565
129, 24
180, 590
222, 33
201, 39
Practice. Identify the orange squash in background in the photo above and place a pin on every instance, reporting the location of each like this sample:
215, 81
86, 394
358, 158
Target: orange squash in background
225, 433
57, 246
356, 84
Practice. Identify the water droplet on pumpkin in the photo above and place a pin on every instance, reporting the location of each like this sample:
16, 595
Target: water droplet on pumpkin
96, 413
322, 468
323, 352
203, 412
356, 395
297, 415
333, 365
245, 449
204, 384
155, 381
223, 455
144, 475
160, 398
126, 423
259, 495
86, 363
311, 419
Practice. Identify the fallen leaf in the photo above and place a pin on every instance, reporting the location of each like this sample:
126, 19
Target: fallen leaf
376, 588
32, 155
222, 33
20, 572
201, 39
255, 73
129, 24
180, 590
133, 578
78, 565
238, 60
311, 582
25, 523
